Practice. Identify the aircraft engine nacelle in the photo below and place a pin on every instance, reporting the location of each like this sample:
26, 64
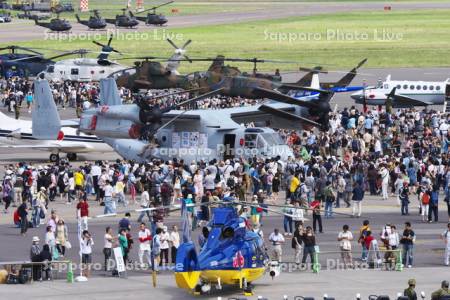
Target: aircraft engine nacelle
131, 149
119, 112
112, 128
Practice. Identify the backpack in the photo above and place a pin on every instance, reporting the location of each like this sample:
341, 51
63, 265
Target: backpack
165, 189
231, 183
425, 198
217, 178
355, 145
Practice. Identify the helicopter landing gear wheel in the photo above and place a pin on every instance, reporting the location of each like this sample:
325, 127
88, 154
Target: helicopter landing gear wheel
54, 157
248, 288
71, 156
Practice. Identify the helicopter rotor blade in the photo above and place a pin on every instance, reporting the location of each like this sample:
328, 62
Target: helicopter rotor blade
187, 57
172, 43
287, 115
110, 39
98, 43
186, 44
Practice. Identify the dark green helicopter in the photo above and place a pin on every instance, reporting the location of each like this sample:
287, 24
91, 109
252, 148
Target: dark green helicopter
57, 24
95, 21
124, 20
152, 17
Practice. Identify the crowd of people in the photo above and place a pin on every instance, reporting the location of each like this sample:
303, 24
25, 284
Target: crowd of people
18, 92
402, 154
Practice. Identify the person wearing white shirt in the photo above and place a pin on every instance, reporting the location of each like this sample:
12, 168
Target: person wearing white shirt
165, 238
110, 206
144, 203
86, 252
384, 173
144, 245
446, 238
277, 240
297, 214
345, 238
107, 248
394, 238
174, 243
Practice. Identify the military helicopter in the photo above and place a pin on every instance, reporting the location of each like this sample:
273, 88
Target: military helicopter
142, 132
124, 20
24, 64
228, 81
95, 21
84, 69
57, 24
152, 18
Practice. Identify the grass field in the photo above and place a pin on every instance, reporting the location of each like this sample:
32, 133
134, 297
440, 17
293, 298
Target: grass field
402, 39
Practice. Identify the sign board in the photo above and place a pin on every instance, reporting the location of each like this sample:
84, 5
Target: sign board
119, 260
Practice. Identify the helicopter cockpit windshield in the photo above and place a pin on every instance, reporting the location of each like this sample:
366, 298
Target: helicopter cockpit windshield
261, 140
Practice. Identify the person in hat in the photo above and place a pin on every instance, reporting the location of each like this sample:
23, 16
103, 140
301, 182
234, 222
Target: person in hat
404, 199
443, 291
7, 192
410, 291
35, 256
445, 236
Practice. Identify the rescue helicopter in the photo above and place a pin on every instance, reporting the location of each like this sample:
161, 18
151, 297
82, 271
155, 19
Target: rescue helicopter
94, 22
232, 255
124, 20
152, 17
56, 25
84, 69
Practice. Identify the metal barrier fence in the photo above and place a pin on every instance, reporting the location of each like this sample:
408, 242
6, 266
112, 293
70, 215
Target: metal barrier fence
380, 259
52, 269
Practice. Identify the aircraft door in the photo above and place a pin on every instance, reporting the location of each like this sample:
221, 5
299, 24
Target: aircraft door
74, 73
447, 91
229, 145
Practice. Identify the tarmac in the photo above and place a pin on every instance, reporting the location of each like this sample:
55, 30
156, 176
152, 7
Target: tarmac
20, 30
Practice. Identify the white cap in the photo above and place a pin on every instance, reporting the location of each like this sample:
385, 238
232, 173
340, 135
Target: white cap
35, 239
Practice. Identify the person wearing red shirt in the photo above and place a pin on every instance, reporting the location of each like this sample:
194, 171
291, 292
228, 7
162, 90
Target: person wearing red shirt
317, 218
83, 213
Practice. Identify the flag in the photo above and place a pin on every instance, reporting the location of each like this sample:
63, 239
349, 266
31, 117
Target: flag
139, 5
84, 5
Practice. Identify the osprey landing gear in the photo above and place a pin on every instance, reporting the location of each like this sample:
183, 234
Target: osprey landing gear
54, 157
71, 156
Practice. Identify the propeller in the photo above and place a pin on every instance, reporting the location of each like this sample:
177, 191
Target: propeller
180, 51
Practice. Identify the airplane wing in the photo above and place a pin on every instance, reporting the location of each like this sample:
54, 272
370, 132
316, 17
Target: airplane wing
73, 147
73, 123
400, 100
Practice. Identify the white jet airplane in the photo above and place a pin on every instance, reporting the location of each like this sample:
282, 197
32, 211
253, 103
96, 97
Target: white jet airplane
404, 93
46, 132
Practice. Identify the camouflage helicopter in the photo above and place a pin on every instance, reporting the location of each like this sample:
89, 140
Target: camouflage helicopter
227, 81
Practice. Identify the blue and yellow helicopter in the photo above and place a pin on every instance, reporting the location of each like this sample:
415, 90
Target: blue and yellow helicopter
232, 255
